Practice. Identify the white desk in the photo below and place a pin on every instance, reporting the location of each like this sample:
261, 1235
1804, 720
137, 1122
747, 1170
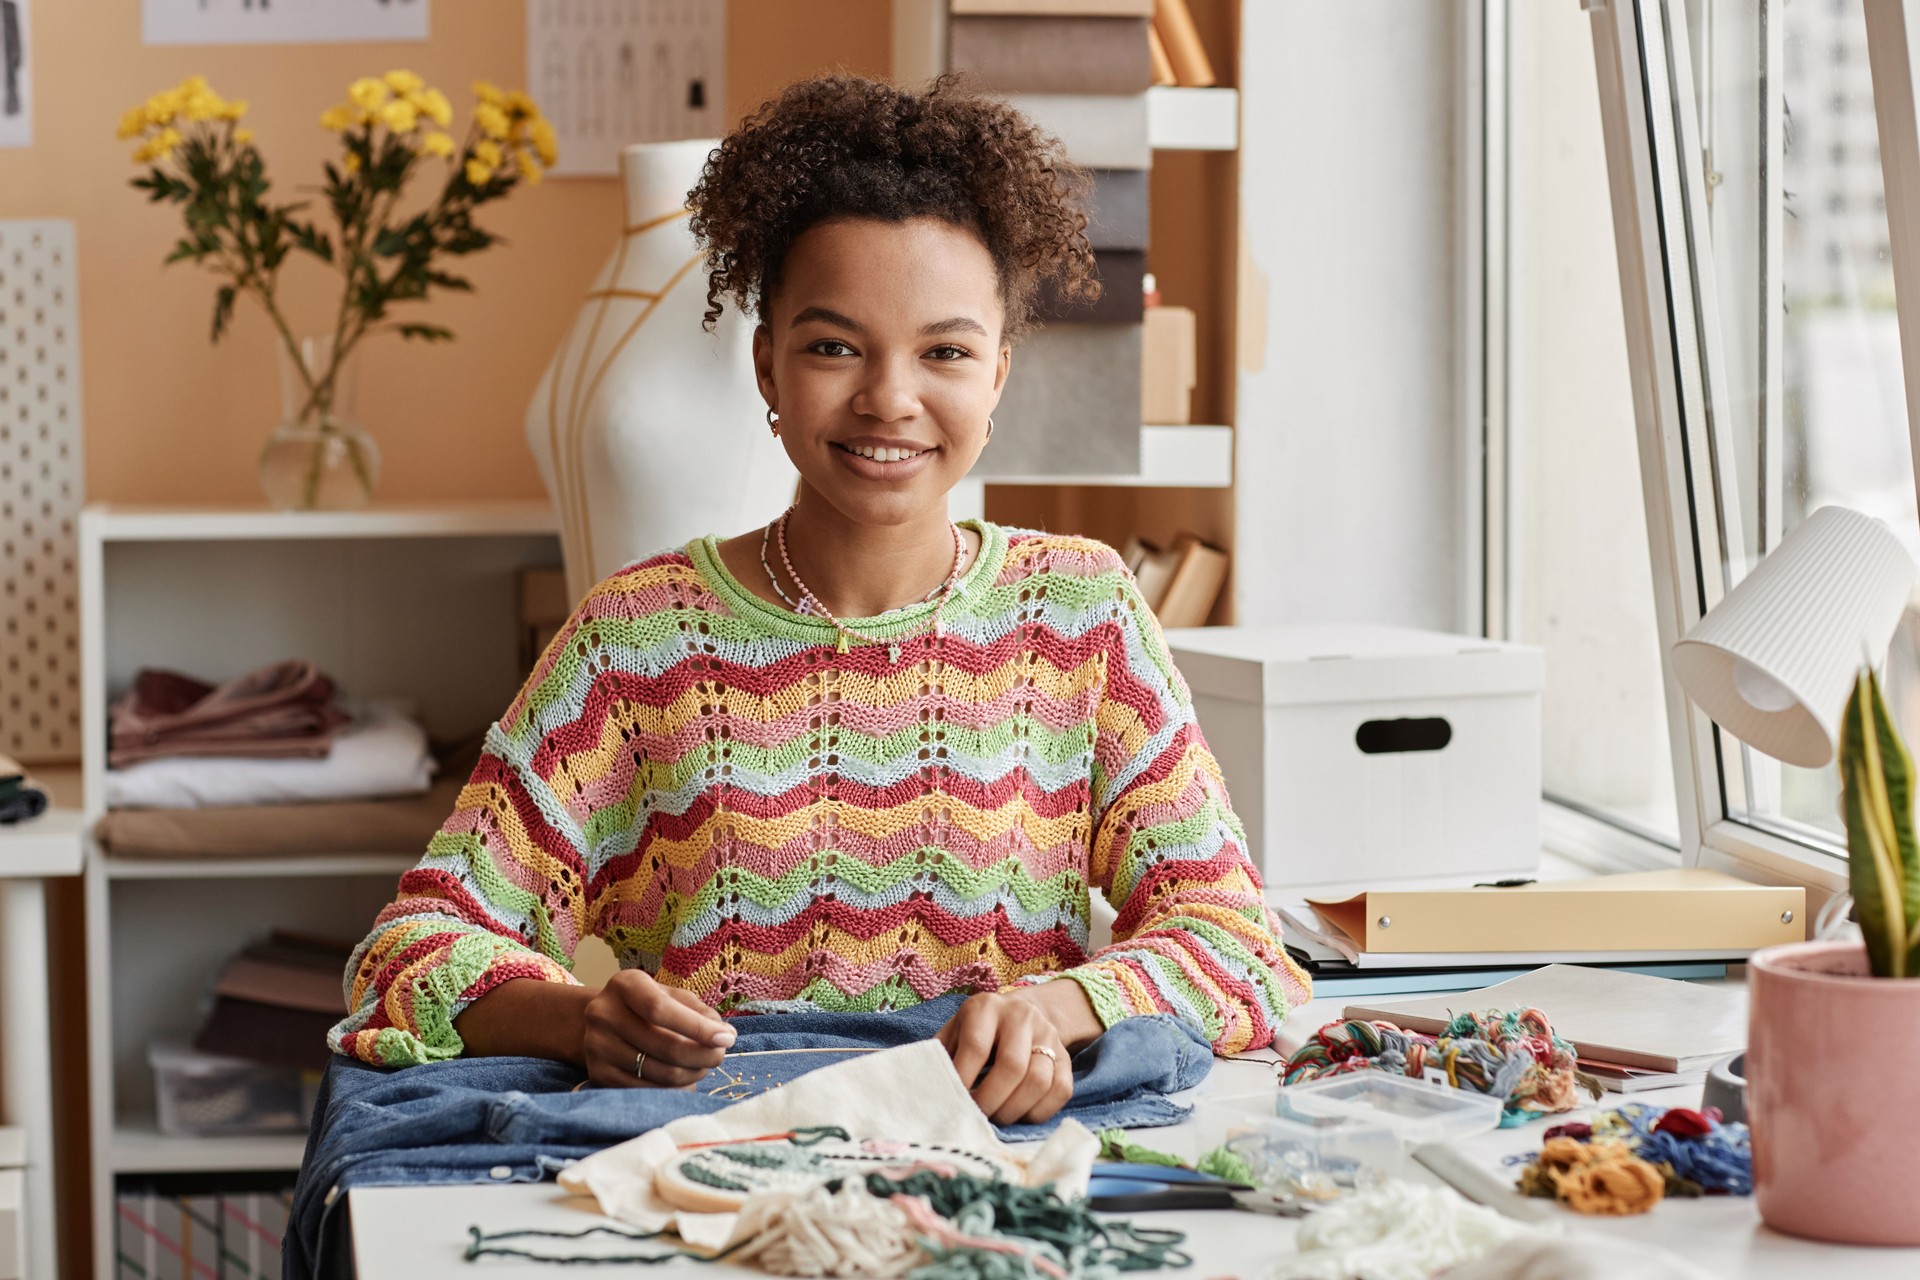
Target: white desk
404, 1232
31, 852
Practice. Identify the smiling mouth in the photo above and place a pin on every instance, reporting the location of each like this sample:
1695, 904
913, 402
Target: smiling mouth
881, 455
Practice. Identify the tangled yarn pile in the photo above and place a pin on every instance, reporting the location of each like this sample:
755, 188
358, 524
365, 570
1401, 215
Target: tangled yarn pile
1514, 1056
1396, 1231
1629, 1159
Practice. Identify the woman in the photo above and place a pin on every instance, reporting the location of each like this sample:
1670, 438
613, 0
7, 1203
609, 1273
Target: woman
860, 757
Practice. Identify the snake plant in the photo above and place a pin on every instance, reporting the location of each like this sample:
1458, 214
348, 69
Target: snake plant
1884, 859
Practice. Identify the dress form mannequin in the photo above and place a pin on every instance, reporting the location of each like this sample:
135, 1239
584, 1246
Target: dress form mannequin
648, 430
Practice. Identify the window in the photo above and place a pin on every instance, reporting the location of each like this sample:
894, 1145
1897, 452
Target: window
1752, 236
1578, 578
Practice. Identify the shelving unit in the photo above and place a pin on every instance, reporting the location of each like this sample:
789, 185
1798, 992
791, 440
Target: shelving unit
415, 601
1190, 457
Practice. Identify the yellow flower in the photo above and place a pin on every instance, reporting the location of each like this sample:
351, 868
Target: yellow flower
168, 139
134, 122
478, 174
241, 137
433, 104
368, 94
353, 162
161, 107
492, 119
400, 117
437, 144
203, 106
521, 105
193, 84
404, 82
544, 141
487, 151
486, 91
234, 110
531, 172
339, 119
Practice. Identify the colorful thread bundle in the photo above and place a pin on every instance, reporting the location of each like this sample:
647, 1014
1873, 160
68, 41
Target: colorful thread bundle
1514, 1055
1629, 1159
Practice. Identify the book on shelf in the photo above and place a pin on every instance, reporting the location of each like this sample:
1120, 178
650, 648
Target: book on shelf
1180, 36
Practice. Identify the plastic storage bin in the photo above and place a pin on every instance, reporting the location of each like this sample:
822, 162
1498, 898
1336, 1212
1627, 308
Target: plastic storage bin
206, 1093
1417, 1110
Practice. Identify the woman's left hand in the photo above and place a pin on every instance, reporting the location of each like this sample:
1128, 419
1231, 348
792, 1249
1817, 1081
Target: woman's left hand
1011, 1057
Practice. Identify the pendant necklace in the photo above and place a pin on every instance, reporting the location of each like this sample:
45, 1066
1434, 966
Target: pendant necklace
810, 603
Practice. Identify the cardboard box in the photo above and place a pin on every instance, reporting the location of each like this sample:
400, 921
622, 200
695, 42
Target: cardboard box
1169, 367
1362, 754
544, 608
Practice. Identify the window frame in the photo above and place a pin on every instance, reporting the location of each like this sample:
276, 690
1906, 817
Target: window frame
1682, 412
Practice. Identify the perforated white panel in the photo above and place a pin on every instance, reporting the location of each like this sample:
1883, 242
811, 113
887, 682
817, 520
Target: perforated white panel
41, 484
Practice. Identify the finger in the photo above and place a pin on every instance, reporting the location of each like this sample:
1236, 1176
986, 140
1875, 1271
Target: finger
970, 1041
630, 1033
727, 1032
1025, 1103
1059, 1093
611, 1060
657, 1006
1012, 1052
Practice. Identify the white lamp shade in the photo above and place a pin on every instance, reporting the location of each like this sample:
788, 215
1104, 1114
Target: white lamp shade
1774, 663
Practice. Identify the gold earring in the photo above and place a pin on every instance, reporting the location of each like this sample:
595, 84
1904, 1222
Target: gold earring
773, 423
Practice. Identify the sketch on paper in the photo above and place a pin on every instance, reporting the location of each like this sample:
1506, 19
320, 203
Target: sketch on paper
280, 21
16, 76
612, 72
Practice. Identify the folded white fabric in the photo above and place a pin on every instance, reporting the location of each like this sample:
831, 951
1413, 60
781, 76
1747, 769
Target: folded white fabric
908, 1094
382, 753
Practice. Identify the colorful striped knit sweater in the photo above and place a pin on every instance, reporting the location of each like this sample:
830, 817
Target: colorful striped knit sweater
701, 779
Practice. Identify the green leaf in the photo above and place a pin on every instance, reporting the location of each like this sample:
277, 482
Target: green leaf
1884, 858
446, 281
222, 310
425, 332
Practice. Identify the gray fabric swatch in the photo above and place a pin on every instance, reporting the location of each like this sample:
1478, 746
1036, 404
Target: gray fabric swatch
1121, 301
1119, 216
1071, 406
1053, 54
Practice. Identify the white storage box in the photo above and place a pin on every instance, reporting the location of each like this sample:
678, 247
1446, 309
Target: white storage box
1370, 753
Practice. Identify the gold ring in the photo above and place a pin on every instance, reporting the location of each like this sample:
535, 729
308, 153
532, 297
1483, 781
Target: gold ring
1051, 1056
640, 1065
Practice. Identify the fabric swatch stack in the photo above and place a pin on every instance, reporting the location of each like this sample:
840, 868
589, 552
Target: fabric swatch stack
275, 1002
1080, 69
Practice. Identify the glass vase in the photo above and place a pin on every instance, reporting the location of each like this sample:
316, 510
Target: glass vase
319, 458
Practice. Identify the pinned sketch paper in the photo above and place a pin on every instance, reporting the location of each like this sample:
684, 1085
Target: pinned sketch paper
16, 76
608, 73
281, 21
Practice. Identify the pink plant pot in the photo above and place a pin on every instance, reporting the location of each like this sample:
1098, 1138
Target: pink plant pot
1833, 1096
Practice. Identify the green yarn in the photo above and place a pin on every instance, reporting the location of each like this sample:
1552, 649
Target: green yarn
1217, 1163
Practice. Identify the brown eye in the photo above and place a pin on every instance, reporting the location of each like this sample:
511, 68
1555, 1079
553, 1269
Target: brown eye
831, 347
950, 353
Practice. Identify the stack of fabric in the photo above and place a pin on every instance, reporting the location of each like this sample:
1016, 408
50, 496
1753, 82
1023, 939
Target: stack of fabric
276, 1001
20, 796
274, 736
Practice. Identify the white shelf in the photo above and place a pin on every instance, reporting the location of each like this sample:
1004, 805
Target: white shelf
112, 522
1193, 119
48, 845
293, 865
1170, 458
138, 1146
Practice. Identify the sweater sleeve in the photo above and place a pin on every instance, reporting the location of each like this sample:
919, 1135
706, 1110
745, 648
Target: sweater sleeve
499, 893
1194, 937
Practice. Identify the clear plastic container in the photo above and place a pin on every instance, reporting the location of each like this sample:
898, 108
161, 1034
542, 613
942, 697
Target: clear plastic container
1418, 1110
1312, 1157
205, 1093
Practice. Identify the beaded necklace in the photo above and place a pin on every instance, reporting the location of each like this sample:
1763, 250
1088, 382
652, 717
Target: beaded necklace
810, 603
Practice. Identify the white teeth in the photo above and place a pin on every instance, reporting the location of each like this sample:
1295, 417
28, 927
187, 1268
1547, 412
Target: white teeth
884, 455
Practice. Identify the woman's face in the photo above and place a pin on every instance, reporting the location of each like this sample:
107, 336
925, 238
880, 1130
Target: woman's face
882, 353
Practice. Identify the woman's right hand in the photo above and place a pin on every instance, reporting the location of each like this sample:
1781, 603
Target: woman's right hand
632, 1015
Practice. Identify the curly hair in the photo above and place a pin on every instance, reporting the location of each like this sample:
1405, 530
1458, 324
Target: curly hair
844, 146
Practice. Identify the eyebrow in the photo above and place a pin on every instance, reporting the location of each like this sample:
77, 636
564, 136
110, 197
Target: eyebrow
826, 315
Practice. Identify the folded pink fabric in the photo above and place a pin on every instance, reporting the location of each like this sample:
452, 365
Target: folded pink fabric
286, 709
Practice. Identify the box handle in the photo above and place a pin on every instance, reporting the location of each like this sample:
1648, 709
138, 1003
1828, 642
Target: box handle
1411, 733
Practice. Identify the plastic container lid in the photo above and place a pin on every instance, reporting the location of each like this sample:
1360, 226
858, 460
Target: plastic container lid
1418, 1110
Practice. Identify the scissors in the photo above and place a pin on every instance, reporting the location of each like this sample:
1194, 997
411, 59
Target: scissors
1147, 1188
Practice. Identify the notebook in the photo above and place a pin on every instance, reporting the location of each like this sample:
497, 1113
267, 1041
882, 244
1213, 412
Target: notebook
1654, 1024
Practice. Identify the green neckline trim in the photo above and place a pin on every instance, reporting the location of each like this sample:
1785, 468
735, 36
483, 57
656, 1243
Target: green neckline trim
704, 552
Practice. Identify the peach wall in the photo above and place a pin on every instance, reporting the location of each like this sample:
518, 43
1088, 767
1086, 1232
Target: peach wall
171, 418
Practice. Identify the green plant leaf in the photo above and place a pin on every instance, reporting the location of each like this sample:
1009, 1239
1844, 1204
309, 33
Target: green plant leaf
425, 332
446, 281
1884, 860
222, 310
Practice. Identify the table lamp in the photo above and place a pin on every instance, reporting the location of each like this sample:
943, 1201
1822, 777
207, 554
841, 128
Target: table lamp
1774, 662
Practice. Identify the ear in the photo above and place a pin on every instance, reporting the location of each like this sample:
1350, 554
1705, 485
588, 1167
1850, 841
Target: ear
1001, 368
763, 366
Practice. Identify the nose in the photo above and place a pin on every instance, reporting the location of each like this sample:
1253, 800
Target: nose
888, 393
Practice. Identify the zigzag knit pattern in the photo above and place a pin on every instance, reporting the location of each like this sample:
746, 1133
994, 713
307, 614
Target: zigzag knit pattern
703, 780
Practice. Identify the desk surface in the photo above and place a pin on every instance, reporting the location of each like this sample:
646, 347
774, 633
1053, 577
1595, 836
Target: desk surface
404, 1232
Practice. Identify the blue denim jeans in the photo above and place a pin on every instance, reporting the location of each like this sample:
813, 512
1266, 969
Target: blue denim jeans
480, 1120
